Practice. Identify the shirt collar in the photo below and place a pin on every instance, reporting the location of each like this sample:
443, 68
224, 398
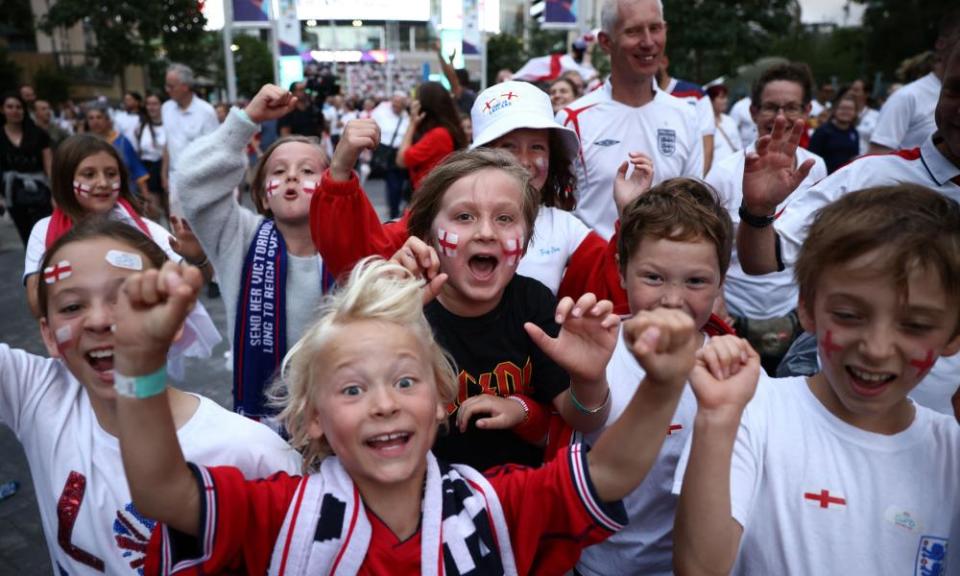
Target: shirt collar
939, 166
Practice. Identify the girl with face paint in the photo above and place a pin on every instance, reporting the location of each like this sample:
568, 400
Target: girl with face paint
90, 180
63, 408
564, 254
271, 277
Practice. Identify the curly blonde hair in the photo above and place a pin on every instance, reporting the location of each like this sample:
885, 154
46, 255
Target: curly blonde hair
376, 290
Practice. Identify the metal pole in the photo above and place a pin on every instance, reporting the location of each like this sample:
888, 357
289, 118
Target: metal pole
389, 33
227, 52
483, 61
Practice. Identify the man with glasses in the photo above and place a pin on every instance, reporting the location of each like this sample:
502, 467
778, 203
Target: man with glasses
628, 115
763, 306
186, 117
303, 120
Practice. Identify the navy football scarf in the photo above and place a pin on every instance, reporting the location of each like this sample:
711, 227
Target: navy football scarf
260, 334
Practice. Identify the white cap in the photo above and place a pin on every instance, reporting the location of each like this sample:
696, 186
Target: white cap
511, 105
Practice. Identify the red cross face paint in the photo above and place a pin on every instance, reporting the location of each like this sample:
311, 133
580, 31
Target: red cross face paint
273, 187
81, 189
923, 366
309, 186
60, 271
828, 346
115, 187
447, 242
64, 336
513, 250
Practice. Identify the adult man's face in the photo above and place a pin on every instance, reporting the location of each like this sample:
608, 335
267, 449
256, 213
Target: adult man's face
398, 103
41, 111
300, 91
779, 97
28, 95
176, 88
947, 115
637, 43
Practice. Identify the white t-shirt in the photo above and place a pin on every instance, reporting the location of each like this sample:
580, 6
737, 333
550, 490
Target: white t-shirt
726, 140
645, 546
392, 126
183, 126
126, 124
816, 495
77, 471
741, 115
556, 236
906, 119
925, 166
770, 295
697, 98
866, 124
37, 243
665, 129
151, 146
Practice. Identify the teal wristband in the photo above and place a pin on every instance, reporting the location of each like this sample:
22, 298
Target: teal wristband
141, 386
584, 409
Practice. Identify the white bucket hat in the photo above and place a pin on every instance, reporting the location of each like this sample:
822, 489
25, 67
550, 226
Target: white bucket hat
512, 105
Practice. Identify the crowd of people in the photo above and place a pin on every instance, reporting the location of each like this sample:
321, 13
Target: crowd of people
607, 328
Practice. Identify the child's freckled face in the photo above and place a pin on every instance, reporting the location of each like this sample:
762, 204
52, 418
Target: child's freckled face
664, 273
877, 341
292, 171
80, 311
484, 212
376, 403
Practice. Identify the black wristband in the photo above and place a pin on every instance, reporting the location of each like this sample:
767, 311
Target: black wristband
754, 221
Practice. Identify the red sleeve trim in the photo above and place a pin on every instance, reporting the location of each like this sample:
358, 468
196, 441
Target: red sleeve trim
611, 517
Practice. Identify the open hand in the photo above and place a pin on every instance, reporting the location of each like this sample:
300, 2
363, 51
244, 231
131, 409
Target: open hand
625, 190
184, 242
422, 260
769, 175
588, 335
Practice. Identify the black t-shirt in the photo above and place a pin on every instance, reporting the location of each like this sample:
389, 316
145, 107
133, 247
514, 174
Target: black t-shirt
302, 122
495, 355
28, 157
834, 145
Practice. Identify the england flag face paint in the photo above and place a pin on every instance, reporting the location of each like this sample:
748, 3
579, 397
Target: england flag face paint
82, 190
115, 186
447, 242
63, 334
273, 187
125, 260
512, 250
309, 186
61, 271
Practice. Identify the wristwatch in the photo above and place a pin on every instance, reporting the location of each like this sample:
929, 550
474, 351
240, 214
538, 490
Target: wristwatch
754, 221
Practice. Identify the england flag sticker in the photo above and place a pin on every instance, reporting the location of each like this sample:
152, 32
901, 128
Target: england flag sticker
447, 242
825, 499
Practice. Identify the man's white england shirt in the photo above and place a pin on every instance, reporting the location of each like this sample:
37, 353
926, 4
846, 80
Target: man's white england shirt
665, 129
770, 295
925, 166
815, 495
906, 119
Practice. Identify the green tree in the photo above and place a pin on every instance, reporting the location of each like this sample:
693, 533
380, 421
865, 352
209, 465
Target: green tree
9, 71
710, 38
503, 51
128, 32
254, 64
899, 29
52, 85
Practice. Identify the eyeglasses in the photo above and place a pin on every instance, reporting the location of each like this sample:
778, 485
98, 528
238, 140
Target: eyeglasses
789, 109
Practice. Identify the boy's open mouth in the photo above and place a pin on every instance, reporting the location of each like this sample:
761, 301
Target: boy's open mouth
100, 359
388, 443
482, 266
868, 383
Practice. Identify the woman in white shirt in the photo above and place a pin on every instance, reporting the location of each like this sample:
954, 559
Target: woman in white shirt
150, 140
727, 140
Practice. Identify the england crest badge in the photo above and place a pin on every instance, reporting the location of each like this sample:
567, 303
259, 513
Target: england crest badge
931, 556
666, 141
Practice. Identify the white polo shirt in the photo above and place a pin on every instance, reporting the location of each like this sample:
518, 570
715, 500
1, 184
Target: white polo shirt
770, 295
925, 166
906, 119
183, 126
665, 129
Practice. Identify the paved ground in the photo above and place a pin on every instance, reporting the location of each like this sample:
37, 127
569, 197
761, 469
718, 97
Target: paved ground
22, 546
